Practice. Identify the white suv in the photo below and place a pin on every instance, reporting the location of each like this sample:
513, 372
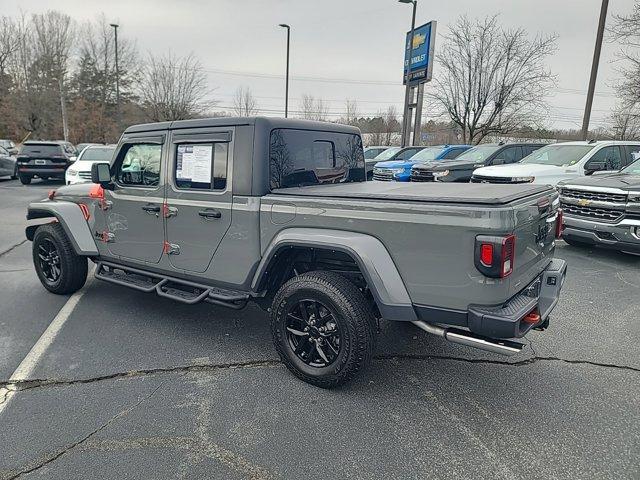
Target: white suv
562, 161
80, 170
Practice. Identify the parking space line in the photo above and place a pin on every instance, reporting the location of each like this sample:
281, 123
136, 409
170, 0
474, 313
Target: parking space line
28, 364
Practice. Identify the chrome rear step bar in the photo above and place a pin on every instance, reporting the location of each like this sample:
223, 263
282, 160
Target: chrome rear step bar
454, 335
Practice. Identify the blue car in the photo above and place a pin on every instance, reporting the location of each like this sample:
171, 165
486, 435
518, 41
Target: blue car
398, 168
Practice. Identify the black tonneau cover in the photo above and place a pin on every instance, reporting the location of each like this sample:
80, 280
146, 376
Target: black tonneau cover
465, 193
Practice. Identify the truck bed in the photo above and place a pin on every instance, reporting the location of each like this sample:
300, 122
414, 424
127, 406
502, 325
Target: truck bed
460, 193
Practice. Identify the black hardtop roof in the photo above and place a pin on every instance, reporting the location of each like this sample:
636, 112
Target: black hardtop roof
268, 123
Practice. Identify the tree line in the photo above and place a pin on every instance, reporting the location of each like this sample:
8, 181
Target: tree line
58, 81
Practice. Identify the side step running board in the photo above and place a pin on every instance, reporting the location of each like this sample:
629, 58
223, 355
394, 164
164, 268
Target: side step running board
174, 288
454, 335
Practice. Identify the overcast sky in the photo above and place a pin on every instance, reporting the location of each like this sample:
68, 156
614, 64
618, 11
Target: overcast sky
344, 48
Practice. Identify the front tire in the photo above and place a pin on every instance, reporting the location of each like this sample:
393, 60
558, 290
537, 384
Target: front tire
323, 328
25, 179
60, 269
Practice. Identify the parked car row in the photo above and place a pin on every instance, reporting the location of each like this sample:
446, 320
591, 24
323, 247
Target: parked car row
598, 181
50, 160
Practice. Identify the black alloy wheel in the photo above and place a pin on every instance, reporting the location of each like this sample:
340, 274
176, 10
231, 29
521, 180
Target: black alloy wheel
49, 259
313, 333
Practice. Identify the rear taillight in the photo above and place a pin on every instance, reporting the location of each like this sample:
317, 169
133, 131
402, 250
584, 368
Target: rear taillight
559, 223
495, 256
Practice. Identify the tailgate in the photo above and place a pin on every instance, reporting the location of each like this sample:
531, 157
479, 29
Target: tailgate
535, 228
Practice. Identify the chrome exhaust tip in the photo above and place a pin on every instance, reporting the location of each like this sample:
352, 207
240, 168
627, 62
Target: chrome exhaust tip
462, 337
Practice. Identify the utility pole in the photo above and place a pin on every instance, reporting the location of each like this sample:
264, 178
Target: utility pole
594, 70
286, 88
115, 33
406, 117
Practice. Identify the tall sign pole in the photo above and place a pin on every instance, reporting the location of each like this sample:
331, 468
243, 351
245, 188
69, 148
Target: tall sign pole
594, 69
115, 38
406, 118
286, 88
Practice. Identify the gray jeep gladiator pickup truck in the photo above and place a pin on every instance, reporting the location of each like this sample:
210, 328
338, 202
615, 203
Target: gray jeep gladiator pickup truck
279, 212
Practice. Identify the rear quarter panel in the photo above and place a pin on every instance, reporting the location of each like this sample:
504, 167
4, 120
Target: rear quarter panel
432, 245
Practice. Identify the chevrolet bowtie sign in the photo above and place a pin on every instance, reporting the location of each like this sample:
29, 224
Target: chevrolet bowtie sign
420, 53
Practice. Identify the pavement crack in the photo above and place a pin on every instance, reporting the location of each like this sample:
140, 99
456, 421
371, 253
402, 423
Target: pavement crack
31, 384
13, 247
77, 443
22, 385
528, 361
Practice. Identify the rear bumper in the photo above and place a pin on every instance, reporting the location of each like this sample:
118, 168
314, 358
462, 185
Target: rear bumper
507, 320
48, 171
624, 235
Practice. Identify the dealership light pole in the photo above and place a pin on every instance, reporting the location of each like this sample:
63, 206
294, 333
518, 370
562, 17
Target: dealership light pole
406, 120
286, 88
594, 69
115, 33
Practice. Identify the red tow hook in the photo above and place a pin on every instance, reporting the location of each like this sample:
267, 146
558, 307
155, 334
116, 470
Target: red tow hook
532, 317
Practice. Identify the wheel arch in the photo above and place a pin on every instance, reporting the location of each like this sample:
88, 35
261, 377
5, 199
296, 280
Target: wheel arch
367, 252
72, 220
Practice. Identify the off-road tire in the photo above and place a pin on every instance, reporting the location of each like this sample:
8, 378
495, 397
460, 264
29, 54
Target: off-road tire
577, 243
73, 267
355, 321
25, 179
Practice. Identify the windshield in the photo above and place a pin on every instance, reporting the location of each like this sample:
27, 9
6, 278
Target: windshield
558, 155
479, 153
96, 154
426, 154
388, 153
633, 169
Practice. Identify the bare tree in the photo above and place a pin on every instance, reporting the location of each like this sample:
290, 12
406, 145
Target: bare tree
244, 103
10, 36
626, 125
312, 108
93, 84
54, 34
492, 80
390, 124
173, 88
350, 116
626, 31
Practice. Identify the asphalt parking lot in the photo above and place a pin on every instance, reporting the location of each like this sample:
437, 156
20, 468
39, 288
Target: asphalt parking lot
136, 386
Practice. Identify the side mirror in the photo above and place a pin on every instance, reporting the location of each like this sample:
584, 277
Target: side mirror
595, 166
73, 159
498, 161
101, 174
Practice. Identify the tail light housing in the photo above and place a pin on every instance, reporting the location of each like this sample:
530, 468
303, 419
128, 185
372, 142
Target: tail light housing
559, 223
494, 256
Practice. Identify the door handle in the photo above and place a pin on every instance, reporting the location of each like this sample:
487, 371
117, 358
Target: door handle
210, 213
152, 209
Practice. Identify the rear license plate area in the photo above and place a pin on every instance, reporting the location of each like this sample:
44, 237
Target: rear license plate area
40, 162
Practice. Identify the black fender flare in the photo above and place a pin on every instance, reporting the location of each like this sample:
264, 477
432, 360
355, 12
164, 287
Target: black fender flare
69, 215
375, 262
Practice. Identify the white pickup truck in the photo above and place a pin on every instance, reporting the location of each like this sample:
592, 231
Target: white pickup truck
562, 161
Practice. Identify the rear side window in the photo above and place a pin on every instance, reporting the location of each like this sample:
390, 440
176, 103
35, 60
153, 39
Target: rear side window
510, 154
610, 156
300, 157
633, 154
41, 150
201, 166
